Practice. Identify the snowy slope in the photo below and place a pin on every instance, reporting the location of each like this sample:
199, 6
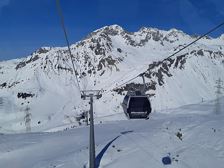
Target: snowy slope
191, 135
43, 84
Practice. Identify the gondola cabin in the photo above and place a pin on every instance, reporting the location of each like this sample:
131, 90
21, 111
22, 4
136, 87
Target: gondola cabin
136, 105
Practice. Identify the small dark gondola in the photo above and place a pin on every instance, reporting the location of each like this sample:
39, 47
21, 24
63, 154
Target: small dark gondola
136, 105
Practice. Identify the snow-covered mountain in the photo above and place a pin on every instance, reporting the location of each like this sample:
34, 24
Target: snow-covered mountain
43, 84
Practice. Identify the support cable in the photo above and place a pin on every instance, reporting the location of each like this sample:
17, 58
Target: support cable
60, 13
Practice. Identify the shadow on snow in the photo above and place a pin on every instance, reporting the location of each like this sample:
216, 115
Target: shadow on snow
100, 155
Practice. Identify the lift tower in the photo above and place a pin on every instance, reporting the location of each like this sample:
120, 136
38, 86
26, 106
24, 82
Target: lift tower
90, 94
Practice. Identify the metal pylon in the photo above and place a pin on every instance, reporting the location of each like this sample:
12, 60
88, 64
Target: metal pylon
91, 94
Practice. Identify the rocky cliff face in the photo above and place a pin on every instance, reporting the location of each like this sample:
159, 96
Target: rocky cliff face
44, 84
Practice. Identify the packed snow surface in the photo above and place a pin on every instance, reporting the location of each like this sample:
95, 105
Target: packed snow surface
192, 136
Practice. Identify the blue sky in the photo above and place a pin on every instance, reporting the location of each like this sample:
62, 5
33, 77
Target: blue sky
26, 25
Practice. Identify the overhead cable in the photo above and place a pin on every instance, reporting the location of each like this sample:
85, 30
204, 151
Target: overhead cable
67, 41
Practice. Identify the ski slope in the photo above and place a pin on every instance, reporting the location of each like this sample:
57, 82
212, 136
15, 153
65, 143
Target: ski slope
192, 135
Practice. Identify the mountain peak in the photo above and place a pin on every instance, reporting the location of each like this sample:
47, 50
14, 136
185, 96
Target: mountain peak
148, 29
115, 26
112, 29
176, 31
109, 30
